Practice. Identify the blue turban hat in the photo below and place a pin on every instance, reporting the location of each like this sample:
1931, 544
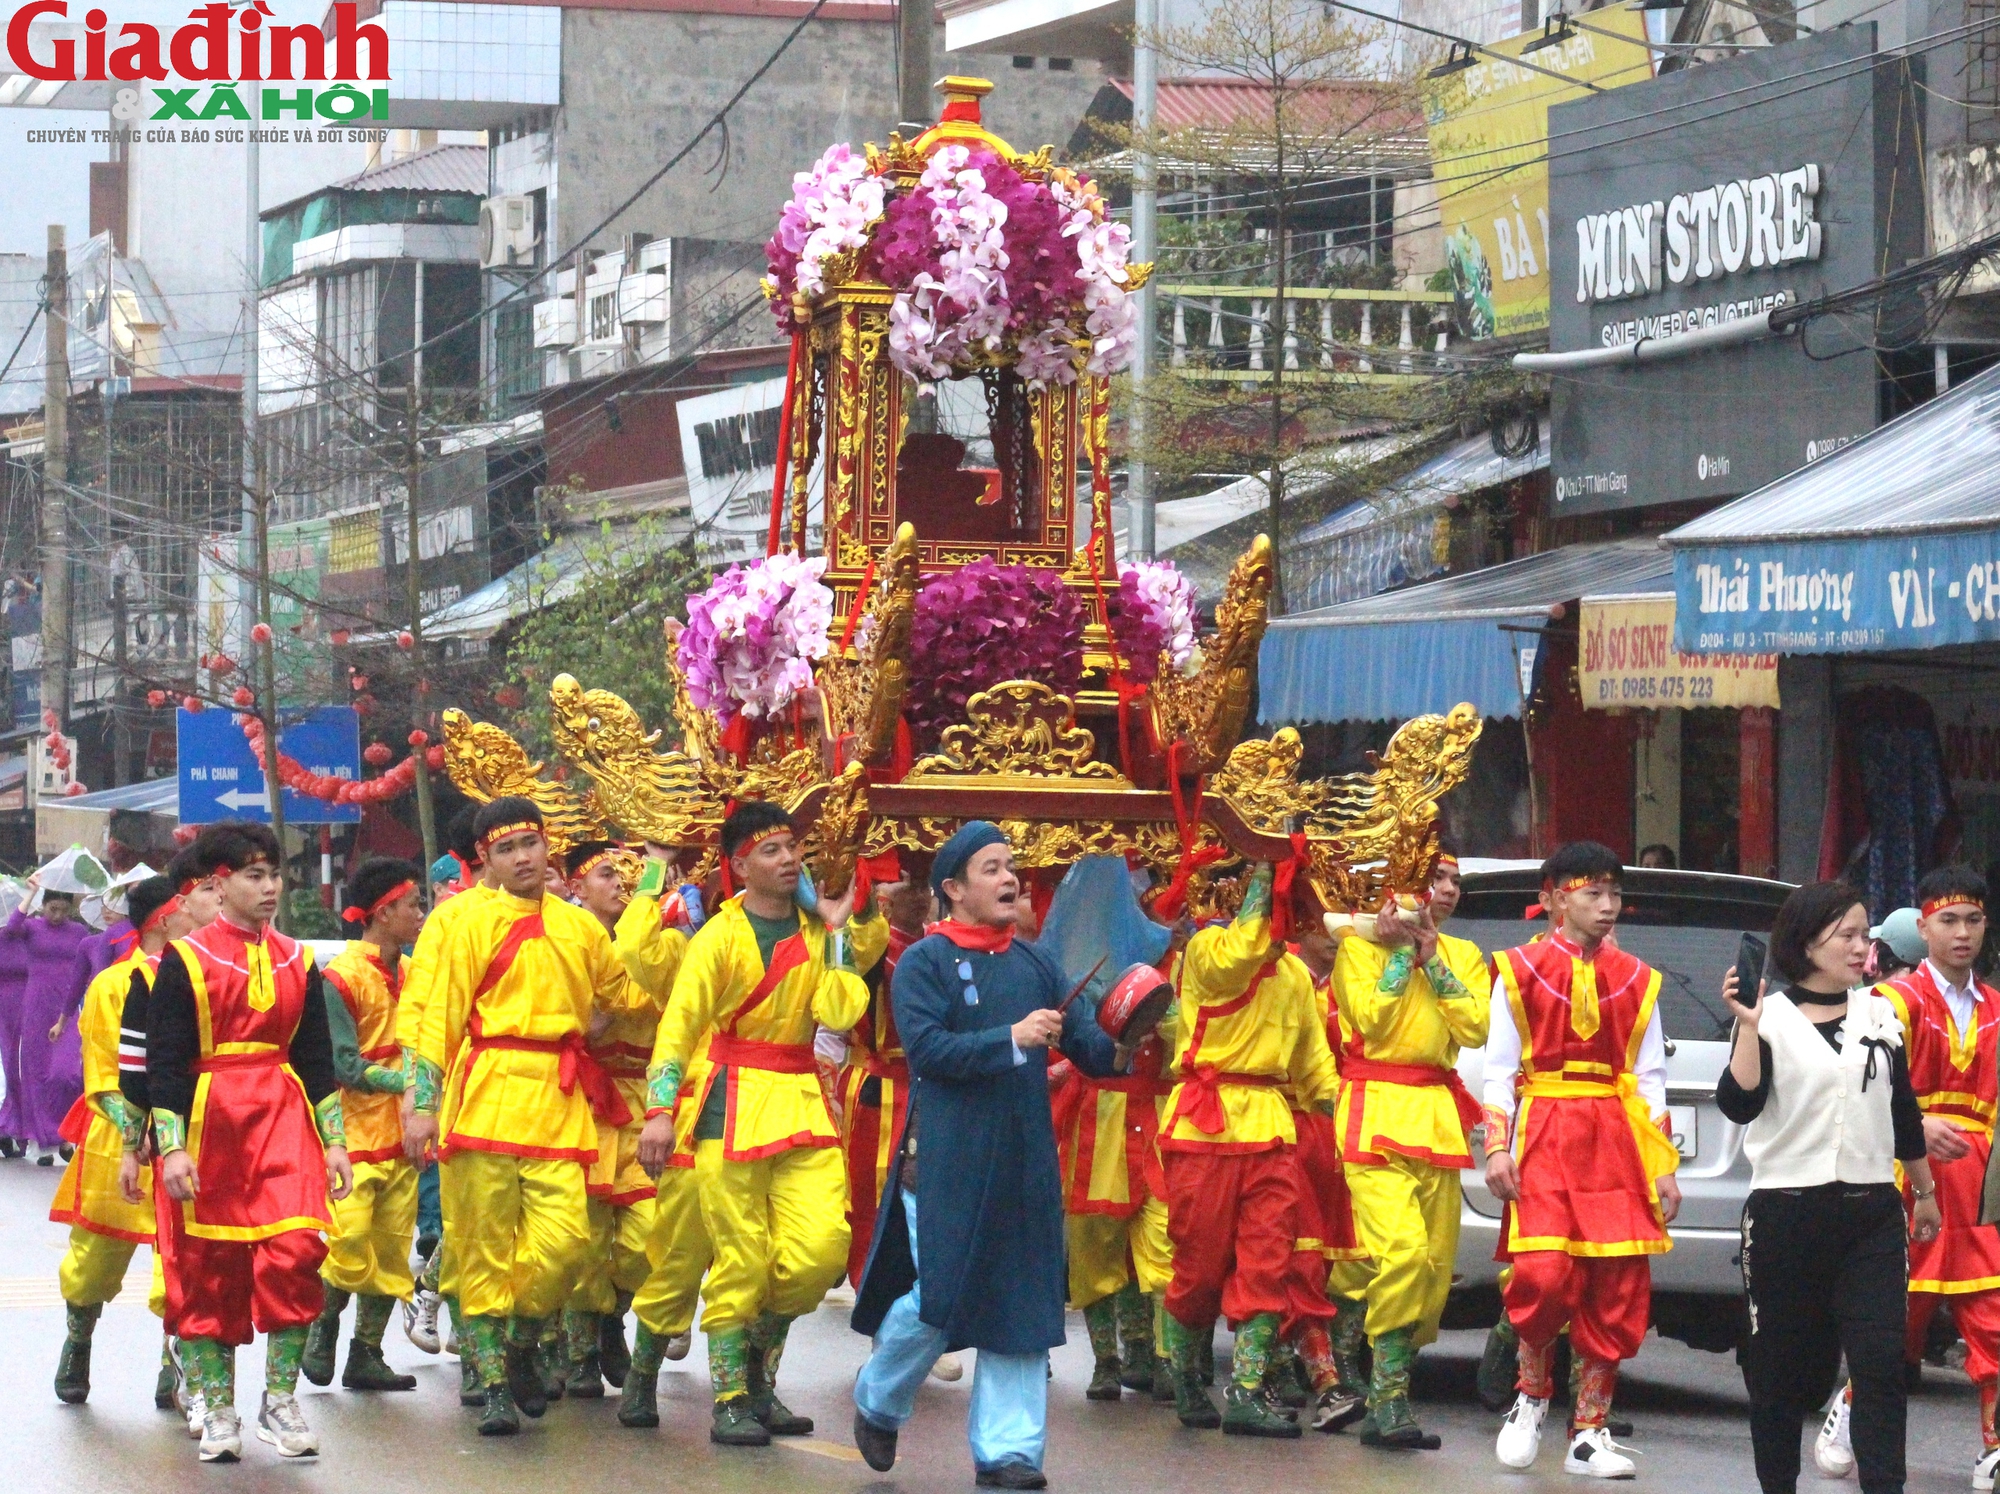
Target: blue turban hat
955, 854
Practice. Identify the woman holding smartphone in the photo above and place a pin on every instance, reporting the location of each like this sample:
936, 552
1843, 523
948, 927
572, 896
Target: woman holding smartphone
1819, 1076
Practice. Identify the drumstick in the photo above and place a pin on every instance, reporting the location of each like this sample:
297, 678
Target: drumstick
1077, 990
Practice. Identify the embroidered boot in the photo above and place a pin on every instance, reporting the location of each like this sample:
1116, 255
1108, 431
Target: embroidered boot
1101, 1319
1499, 1366
586, 1370
166, 1388
734, 1423
612, 1355
73, 1365
323, 1340
1392, 1421
523, 1362
1164, 1375
1284, 1380
1135, 1330
1191, 1403
764, 1348
1615, 1424
483, 1342
553, 1358
639, 1405
1591, 1448
1245, 1413
366, 1368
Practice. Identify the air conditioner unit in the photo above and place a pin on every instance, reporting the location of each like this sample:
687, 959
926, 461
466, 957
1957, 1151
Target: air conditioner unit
506, 231
643, 300
555, 322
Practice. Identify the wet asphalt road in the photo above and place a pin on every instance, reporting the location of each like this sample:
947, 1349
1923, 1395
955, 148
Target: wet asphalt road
1688, 1408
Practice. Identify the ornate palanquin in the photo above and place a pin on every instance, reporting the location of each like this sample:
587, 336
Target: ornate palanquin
1160, 774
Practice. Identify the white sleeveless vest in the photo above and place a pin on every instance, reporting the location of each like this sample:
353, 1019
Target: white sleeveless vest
1819, 1125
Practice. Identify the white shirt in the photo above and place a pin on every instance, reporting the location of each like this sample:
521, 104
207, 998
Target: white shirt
1962, 1003
1503, 1058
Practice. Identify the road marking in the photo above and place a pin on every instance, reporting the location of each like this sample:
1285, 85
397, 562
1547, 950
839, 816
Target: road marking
29, 1291
820, 1449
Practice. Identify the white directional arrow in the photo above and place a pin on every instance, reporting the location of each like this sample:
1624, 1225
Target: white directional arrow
238, 799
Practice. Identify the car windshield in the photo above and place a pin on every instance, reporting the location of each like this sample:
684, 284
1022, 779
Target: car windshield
1691, 962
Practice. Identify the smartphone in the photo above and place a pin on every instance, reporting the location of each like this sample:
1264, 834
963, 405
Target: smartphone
1750, 952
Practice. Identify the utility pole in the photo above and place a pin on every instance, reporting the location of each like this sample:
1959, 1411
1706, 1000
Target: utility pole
1145, 86
413, 587
55, 486
261, 661
913, 40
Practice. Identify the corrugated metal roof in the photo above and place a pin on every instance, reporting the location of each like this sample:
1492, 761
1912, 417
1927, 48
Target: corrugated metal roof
1468, 467
1395, 139
1932, 470
1525, 588
442, 168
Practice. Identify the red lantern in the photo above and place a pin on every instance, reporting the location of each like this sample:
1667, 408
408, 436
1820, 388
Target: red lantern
377, 754
508, 697
74, 789
405, 641
156, 698
357, 682
418, 739
192, 704
340, 637
260, 633
221, 664
244, 697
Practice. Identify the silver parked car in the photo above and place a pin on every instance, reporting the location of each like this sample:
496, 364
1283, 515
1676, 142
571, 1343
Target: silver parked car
1685, 925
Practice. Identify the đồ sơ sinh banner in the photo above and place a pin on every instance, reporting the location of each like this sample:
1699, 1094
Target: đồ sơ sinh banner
1626, 657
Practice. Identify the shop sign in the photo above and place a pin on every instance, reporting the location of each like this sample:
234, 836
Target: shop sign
1489, 127
1840, 596
1628, 659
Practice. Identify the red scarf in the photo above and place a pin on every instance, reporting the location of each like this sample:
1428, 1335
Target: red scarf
984, 937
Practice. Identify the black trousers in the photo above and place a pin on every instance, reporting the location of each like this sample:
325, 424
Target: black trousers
1826, 1270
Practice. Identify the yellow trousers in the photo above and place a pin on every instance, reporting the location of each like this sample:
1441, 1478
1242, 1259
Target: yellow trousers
93, 1271
678, 1253
1406, 1214
1349, 1279
368, 1249
617, 1258
1105, 1252
520, 1229
780, 1230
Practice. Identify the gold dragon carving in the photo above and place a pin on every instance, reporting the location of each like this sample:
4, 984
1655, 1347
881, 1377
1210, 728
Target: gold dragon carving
656, 796
1206, 709
1375, 834
1019, 729
485, 763
864, 696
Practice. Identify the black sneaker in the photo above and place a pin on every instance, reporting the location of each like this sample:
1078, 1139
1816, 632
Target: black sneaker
1247, 1414
1011, 1475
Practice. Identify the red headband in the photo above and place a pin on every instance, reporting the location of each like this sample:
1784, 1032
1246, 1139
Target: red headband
757, 840
189, 886
501, 832
355, 913
1446, 862
1952, 900
590, 864
160, 914
1576, 884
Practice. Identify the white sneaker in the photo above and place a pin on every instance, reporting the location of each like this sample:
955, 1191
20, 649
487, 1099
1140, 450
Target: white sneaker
195, 1410
281, 1423
221, 1436
420, 1320
1984, 1469
1594, 1454
677, 1346
950, 1369
1833, 1452
1521, 1433
450, 1334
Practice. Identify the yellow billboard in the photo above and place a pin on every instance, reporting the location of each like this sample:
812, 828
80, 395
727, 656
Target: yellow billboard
1489, 127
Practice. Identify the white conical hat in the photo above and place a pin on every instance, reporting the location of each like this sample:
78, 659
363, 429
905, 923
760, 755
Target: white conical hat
111, 901
75, 872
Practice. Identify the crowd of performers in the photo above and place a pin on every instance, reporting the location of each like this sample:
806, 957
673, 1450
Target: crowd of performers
634, 1108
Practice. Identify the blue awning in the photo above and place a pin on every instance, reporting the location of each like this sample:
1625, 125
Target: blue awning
1405, 653
1891, 542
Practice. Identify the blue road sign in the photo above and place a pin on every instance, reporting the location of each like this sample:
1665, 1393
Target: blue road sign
221, 779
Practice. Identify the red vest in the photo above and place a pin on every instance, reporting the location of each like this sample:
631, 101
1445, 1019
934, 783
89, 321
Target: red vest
1537, 981
1953, 1076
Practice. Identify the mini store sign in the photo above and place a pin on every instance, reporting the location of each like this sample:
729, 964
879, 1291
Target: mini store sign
1755, 223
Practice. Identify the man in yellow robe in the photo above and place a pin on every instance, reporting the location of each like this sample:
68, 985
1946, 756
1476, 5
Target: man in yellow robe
504, 1079
1410, 998
110, 1216
621, 1195
368, 1253
764, 975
